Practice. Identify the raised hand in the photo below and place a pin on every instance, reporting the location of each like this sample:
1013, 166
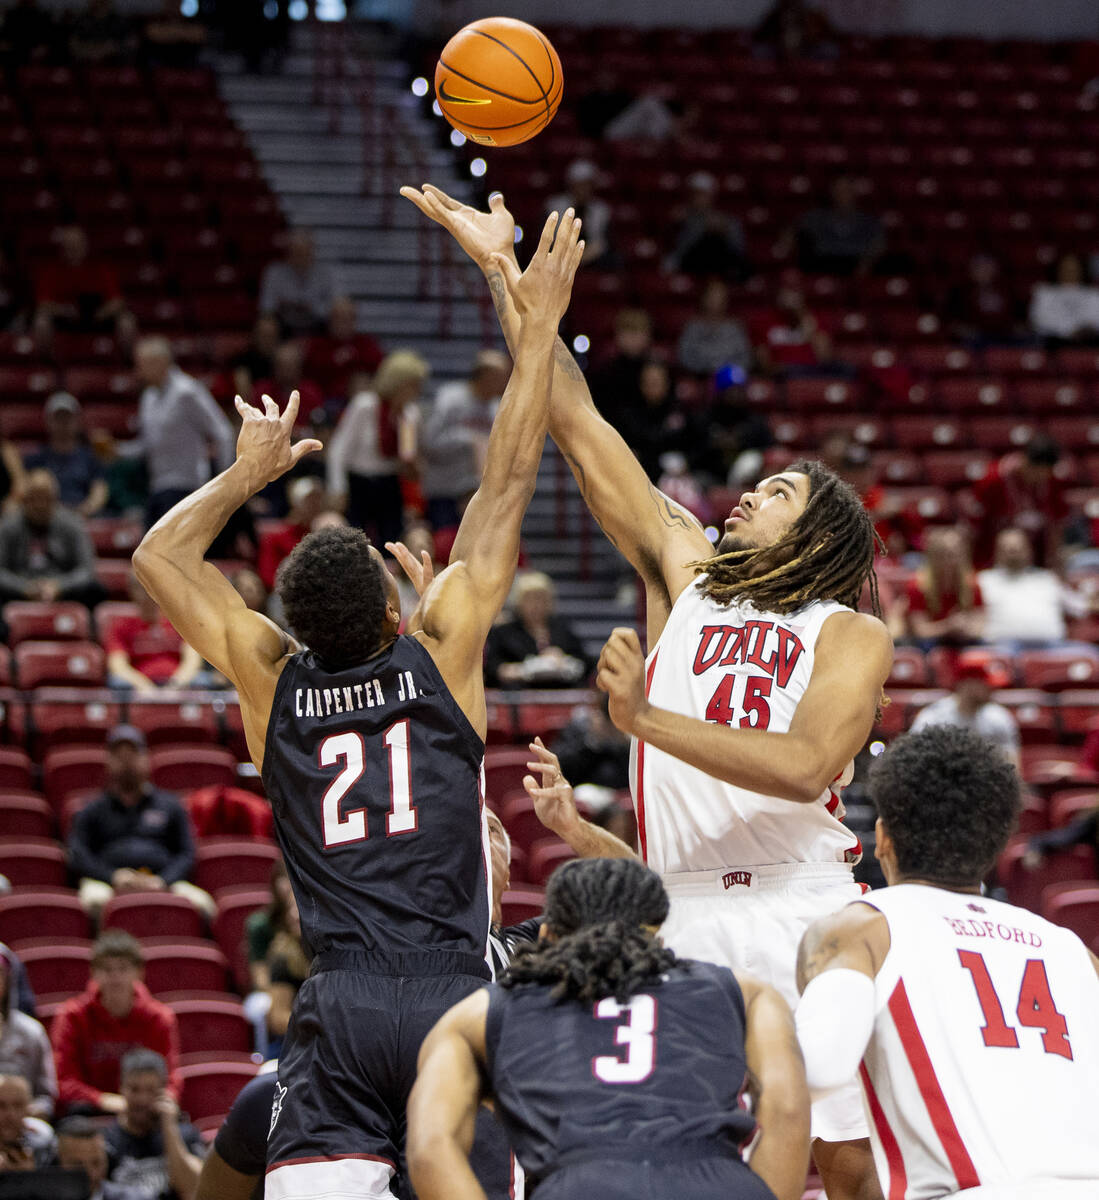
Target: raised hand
621, 674
265, 437
552, 795
480, 234
420, 573
545, 287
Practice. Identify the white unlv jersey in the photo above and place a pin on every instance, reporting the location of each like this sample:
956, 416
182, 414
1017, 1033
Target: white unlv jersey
749, 669
983, 1067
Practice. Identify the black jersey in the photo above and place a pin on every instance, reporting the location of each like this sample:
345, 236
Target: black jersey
374, 776
661, 1073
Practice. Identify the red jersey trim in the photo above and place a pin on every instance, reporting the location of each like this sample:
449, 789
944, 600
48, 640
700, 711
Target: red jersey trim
898, 1178
927, 1081
642, 836
326, 1158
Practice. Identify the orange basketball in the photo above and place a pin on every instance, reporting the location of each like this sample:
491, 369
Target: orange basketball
499, 81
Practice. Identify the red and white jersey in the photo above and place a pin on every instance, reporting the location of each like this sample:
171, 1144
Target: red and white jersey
983, 1067
749, 669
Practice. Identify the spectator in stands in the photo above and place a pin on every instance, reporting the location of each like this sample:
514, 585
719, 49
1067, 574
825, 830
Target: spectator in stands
287, 376
27, 33
656, 425
45, 554
649, 117
298, 290
616, 382
714, 339
287, 969
731, 436
793, 29
25, 1047
1025, 604
838, 238
69, 458
792, 342
151, 1149
133, 837
535, 648
26, 1142
116, 1013
592, 749
971, 706
261, 926
579, 194
172, 40
1022, 491
942, 603
22, 992
1066, 310
980, 309
180, 426
257, 360
454, 437
144, 652
101, 35
375, 443
708, 241
308, 500
341, 360
79, 293
1081, 831
11, 476
82, 1147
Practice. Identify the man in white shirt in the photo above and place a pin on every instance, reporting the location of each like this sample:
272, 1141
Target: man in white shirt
299, 290
1024, 603
970, 705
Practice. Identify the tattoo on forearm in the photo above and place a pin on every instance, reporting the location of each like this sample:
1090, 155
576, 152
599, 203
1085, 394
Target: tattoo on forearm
582, 484
499, 290
667, 511
566, 362
813, 958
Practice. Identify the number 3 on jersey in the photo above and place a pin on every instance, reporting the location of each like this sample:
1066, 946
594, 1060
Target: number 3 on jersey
635, 1032
753, 702
341, 829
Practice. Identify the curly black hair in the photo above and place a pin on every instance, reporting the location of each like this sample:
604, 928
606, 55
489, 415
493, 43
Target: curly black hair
334, 596
595, 909
827, 554
949, 800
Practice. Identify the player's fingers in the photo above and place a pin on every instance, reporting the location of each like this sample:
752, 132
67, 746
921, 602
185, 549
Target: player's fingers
548, 231
446, 201
577, 258
242, 407
306, 446
496, 202
290, 413
270, 408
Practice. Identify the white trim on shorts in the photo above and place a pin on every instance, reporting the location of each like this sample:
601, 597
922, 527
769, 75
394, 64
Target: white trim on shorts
732, 880
343, 1177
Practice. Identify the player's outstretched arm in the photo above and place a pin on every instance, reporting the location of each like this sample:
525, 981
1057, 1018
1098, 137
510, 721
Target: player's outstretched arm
556, 809
199, 601
656, 535
442, 1108
780, 1098
854, 654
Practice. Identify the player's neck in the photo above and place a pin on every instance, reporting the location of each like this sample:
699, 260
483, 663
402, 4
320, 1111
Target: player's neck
964, 889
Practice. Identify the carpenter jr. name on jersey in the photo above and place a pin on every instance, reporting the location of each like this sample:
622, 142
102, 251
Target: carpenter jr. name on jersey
324, 702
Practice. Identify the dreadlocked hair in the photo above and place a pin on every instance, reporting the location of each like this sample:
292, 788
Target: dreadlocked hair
595, 910
827, 554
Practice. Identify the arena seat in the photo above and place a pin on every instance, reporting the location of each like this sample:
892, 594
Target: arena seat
68, 769
1060, 667
61, 621
172, 963
212, 1025
210, 1088
114, 575
170, 721
1076, 909
56, 716
184, 768
15, 769
153, 914
27, 913
1024, 887
521, 904
521, 821
112, 537
505, 767
33, 863
56, 969
1034, 711
1077, 713
25, 814
235, 905
909, 668
1069, 803
230, 862
67, 664
544, 857
110, 611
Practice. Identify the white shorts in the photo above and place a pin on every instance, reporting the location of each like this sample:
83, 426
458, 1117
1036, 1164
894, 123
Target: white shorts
1034, 1189
752, 920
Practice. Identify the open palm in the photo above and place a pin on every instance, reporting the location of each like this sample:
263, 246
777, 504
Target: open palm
480, 234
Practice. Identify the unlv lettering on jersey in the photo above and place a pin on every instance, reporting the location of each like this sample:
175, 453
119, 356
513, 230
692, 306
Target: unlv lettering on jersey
772, 648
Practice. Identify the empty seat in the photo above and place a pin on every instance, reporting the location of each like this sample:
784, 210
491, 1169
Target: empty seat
33, 863
1034, 713
1024, 885
235, 906
15, 769
171, 721
229, 863
521, 904
68, 769
521, 821
56, 968
63, 715
28, 914
25, 814
1060, 667
212, 1025
69, 664
909, 668
545, 856
64, 621
1076, 909
1064, 806
153, 914
209, 1089
184, 768
1077, 712
505, 767
171, 965
112, 537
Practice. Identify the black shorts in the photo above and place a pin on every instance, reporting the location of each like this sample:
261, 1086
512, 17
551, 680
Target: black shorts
617, 1179
348, 1064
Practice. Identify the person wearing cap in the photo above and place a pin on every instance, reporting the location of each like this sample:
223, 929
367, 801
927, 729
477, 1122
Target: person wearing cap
971, 706
579, 194
45, 553
69, 458
708, 241
116, 1013
132, 837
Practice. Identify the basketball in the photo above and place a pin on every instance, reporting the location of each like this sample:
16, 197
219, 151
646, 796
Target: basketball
499, 81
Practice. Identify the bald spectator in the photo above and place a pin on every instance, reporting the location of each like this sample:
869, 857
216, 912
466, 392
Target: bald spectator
77, 292
180, 428
298, 290
708, 241
342, 360
454, 437
82, 1147
838, 238
308, 500
24, 1047
69, 458
25, 1141
44, 552
93, 1031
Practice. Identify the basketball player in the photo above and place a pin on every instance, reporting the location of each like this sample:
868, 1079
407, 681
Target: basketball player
761, 685
615, 1067
370, 746
975, 1021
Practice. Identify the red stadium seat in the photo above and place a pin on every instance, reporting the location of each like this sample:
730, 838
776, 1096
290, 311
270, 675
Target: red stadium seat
209, 1089
1034, 713
545, 718
505, 767
25, 814
29, 620
184, 768
1077, 713
27, 913
15, 769
235, 906
171, 965
113, 537
822, 395
1076, 909
1060, 668
212, 1025
69, 664
65, 715
114, 575
1024, 887
110, 611
521, 821
1066, 805
153, 914
37, 863
545, 856
164, 721
69, 769
521, 904
56, 969
909, 668
221, 864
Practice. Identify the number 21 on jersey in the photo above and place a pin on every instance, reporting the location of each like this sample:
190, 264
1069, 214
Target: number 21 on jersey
350, 749
636, 1027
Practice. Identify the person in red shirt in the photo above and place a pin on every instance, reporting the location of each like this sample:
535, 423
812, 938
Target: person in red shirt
791, 340
92, 1032
341, 360
144, 652
308, 500
77, 292
942, 601
1021, 491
